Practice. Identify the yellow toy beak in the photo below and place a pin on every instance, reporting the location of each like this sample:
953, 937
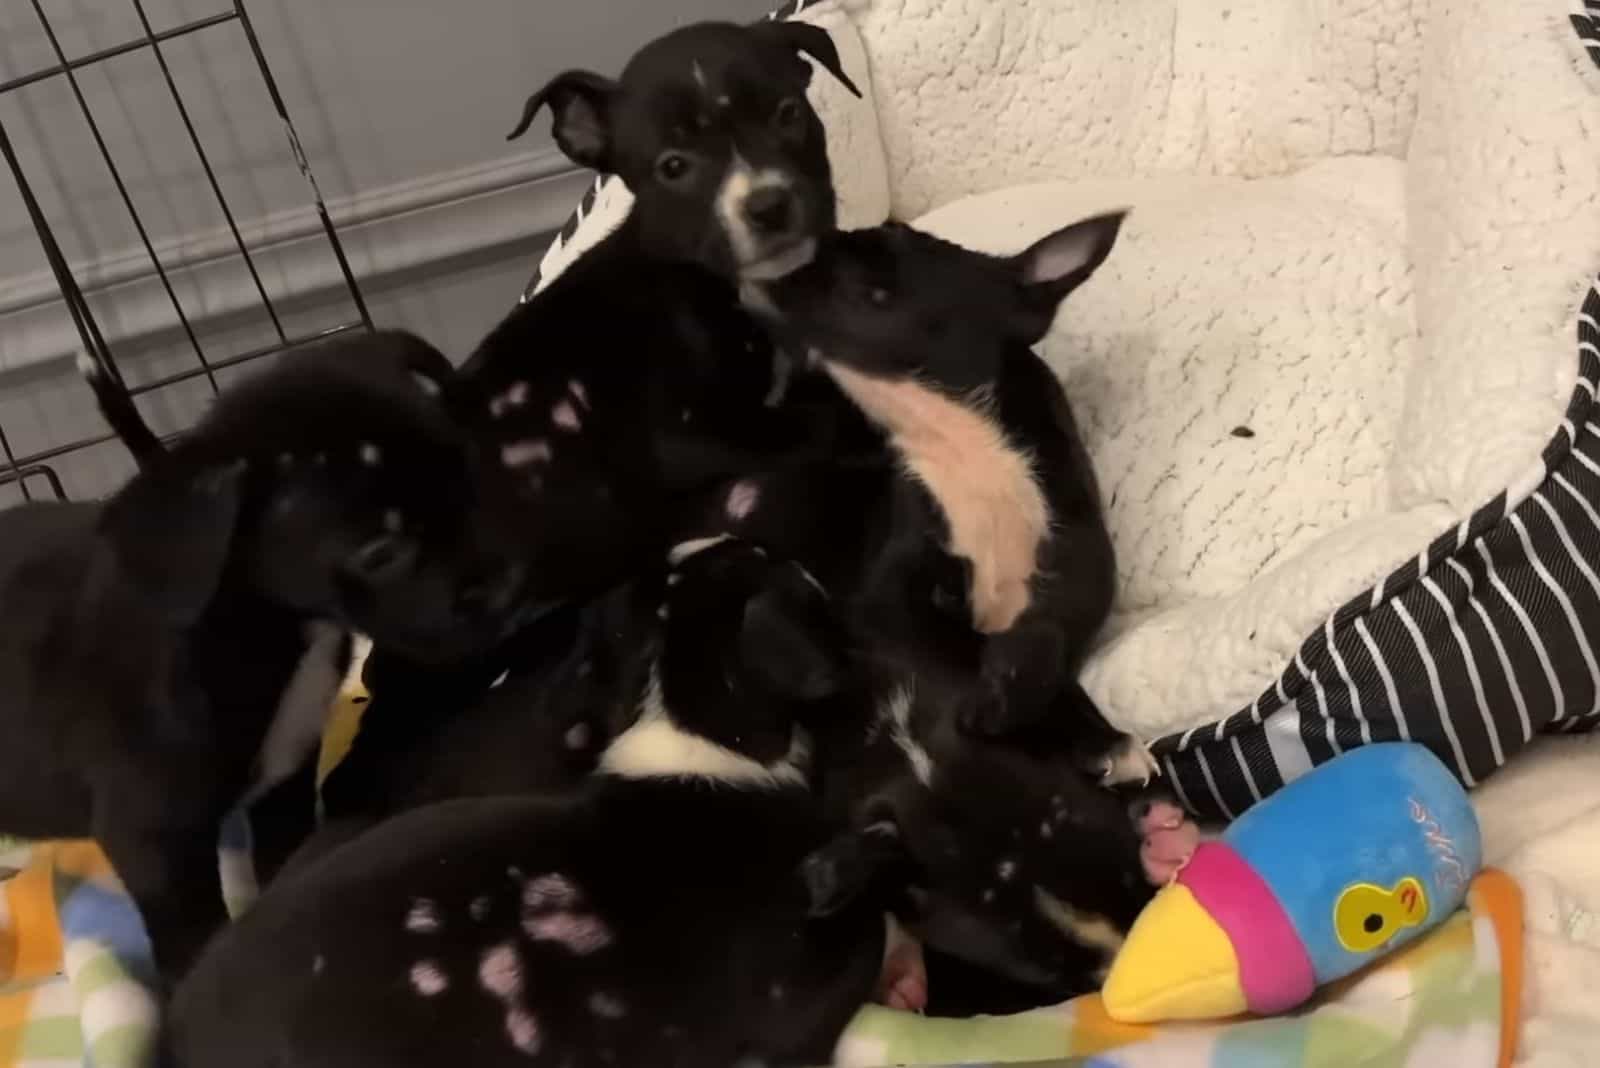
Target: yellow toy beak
1177, 964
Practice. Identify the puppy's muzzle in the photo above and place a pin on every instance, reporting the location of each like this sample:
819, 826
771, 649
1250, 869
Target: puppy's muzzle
773, 212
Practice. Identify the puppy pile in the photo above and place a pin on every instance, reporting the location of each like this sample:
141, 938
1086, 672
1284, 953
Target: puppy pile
726, 606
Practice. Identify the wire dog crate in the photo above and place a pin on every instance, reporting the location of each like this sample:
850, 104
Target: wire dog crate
34, 472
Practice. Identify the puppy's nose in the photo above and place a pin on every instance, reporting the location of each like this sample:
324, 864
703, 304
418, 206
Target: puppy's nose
771, 210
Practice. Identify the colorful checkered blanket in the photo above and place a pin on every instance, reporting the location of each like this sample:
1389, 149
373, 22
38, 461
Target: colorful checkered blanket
75, 965
1450, 999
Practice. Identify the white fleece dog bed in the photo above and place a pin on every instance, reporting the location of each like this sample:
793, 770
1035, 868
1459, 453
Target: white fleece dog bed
1339, 375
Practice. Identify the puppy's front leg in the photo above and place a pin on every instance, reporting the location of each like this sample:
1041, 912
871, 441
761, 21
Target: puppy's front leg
170, 870
1023, 674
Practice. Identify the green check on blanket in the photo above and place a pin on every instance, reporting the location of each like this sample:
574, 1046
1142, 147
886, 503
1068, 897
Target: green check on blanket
75, 964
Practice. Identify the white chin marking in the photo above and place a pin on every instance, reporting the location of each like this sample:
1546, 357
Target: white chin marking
781, 263
1087, 929
685, 549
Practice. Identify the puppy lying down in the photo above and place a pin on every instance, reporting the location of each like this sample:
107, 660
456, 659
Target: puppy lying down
657, 916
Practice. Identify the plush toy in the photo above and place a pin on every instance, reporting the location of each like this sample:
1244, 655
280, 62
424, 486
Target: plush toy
1346, 863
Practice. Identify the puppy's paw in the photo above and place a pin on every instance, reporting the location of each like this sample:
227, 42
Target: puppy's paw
903, 983
1168, 840
1128, 762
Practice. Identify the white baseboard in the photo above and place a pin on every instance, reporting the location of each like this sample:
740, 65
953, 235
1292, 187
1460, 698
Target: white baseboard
401, 227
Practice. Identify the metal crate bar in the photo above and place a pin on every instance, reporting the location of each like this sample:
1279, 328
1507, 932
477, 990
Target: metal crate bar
205, 165
21, 475
116, 50
20, 469
122, 188
183, 376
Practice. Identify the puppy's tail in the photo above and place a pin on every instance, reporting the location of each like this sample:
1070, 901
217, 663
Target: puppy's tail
116, 405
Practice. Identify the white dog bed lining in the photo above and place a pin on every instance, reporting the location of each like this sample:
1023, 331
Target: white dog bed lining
1489, 636
1471, 648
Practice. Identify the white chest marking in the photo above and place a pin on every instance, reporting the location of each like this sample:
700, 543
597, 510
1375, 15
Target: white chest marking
656, 747
984, 486
896, 715
303, 709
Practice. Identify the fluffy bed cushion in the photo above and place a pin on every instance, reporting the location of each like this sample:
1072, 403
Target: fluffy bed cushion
1297, 368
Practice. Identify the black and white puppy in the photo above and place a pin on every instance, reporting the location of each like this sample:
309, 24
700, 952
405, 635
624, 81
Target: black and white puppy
658, 916
1022, 874
636, 376
932, 342
172, 652
710, 129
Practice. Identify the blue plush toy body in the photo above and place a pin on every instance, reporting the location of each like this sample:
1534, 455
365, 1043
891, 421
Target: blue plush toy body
1356, 858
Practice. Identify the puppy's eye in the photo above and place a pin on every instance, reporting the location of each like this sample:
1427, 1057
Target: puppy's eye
788, 114
879, 297
673, 167
382, 559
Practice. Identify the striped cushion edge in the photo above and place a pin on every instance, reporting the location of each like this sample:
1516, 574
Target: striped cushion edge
1586, 21
581, 212
1488, 637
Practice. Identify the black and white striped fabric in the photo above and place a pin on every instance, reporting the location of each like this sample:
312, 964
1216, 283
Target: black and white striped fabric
586, 205
1488, 637
1586, 20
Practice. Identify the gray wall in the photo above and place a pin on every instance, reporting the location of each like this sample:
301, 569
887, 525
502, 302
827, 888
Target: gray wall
402, 107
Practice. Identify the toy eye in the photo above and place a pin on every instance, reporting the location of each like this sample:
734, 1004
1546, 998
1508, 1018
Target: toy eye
673, 166
788, 113
1366, 917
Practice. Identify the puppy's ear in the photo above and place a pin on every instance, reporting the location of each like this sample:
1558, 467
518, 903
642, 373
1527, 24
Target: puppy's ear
788, 641
852, 864
814, 41
1057, 264
171, 533
581, 101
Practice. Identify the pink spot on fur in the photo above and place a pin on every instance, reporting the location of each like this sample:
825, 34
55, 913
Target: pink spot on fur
523, 1029
427, 979
515, 397
742, 499
548, 892
500, 971
985, 486
523, 453
565, 416
579, 393
423, 917
577, 932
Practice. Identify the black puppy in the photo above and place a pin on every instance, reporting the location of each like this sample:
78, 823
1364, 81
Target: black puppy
710, 129
656, 917
530, 716
172, 652
932, 341
636, 376
1023, 874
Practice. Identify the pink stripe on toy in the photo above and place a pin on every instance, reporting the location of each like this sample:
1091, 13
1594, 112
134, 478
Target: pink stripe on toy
1274, 969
